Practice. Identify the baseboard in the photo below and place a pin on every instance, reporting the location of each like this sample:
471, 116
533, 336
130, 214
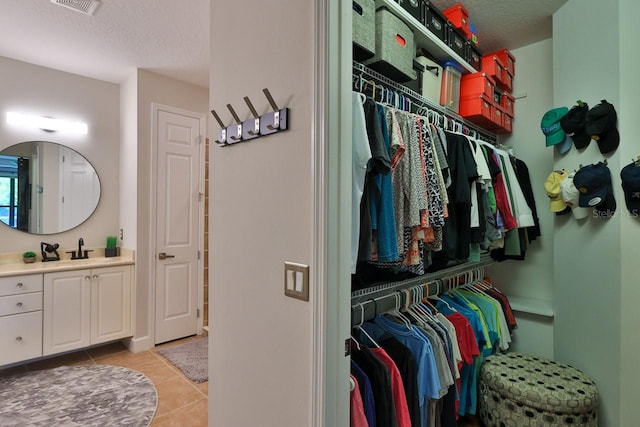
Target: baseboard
136, 345
206, 328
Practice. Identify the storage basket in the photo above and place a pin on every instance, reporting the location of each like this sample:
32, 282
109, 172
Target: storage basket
479, 110
436, 22
456, 40
431, 80
395, 47
519, 390
473, 55
364, 29
507, 58
473, 85
459, 17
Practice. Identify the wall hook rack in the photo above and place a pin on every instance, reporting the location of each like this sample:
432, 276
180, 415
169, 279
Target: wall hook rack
222, 134
257, 126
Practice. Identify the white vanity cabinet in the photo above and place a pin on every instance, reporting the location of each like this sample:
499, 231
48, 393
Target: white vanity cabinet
20, 318
86, 307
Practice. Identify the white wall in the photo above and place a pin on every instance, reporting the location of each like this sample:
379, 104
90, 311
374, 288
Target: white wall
43, 91
261, 216
129, 161
628, 113
153, 88
533, 278
588, 265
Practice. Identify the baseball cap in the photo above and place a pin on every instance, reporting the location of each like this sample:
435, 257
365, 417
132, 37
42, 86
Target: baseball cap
601, 125
550, 125
570, 195
573, 123
594, 184
552, 187
630, 175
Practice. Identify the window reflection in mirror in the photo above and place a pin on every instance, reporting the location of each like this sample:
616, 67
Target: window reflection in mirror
46, 188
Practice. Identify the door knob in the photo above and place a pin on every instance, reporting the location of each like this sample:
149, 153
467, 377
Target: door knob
163, 255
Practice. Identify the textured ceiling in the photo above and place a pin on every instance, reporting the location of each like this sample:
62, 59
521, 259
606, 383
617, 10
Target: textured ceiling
508, 23
171, 37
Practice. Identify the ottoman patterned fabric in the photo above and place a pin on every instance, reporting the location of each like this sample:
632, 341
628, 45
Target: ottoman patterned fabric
519, 390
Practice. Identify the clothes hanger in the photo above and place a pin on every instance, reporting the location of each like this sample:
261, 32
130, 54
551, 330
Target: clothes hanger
396, 311
361, 329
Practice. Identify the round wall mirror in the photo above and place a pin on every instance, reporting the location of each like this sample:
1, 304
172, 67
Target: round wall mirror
46, 188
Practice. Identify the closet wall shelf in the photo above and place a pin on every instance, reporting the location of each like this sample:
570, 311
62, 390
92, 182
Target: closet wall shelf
424, 38
531, 306
366, 303
368, 75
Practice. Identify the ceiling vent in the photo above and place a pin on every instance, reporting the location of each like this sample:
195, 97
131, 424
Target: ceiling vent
83, 6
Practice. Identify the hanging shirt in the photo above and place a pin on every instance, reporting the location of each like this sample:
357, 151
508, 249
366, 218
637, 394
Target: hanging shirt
380, 379
408, 369
382, 208
366, 392
378, 164
397, 387
361, 153
357, 416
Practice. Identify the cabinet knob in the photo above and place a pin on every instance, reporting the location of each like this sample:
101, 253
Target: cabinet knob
18, 339
19, 284
19, 304
95, 276
87, 277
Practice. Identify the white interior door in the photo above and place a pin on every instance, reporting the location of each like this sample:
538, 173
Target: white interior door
177, 225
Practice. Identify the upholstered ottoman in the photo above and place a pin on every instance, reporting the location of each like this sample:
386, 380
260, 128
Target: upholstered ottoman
519, 390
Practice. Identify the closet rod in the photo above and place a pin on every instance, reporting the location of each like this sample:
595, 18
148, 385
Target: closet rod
420, 100
383, 298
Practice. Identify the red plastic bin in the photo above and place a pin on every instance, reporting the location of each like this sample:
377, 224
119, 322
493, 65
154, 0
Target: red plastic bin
507, 58
496, 117
459, 17
507, 103
507, 123
478, 109
475, 84
492, 65
506, 82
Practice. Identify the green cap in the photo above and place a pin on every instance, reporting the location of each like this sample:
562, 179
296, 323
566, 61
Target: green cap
550, 126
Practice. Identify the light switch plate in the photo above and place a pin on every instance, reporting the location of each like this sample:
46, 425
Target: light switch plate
296, 280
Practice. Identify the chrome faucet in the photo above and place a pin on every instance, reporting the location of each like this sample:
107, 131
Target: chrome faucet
80, 243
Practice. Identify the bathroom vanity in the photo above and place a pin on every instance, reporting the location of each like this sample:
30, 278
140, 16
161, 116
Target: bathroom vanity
48, 308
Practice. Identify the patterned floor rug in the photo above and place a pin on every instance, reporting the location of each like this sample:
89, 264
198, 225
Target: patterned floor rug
78, 396
191, 358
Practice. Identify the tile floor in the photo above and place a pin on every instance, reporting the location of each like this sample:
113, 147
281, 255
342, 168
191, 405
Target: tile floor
181, 402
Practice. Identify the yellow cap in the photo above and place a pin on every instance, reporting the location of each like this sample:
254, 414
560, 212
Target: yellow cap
552, 187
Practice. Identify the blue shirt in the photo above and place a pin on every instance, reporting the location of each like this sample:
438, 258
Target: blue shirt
366, 391
420, 348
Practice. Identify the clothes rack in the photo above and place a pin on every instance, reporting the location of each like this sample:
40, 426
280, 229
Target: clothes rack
366, 80
369, 302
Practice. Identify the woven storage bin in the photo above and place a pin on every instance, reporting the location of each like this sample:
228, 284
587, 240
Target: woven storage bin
395, 48
518, 390
364, 29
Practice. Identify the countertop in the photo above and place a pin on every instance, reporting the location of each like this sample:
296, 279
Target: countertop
11, 265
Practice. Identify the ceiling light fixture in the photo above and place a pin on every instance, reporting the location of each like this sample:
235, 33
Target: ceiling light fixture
46, 123
83, 6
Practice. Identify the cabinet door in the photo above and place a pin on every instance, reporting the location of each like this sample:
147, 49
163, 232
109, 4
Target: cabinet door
110, 304
66, 311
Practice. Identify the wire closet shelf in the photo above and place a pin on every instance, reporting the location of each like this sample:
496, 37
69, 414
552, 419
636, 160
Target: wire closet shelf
363, 76
385, 296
